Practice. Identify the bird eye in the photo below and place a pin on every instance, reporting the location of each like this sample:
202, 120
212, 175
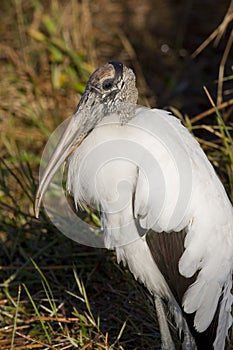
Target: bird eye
107, 84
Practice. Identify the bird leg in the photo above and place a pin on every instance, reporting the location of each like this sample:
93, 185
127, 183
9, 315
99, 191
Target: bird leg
188, 342
166, 339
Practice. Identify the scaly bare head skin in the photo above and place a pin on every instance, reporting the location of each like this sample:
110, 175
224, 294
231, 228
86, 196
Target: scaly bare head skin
110, 89
114, 77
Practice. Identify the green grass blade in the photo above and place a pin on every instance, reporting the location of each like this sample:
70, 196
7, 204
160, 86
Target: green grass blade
38, 314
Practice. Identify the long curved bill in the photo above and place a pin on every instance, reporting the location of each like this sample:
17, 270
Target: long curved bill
72, 137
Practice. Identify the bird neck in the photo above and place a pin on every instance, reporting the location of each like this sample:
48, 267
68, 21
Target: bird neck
124, 110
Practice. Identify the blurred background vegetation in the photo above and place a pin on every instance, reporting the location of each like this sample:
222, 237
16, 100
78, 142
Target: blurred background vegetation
55, 294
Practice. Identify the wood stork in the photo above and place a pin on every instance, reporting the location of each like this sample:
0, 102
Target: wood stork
163, 208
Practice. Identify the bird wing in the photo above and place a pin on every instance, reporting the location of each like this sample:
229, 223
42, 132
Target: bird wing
207, 218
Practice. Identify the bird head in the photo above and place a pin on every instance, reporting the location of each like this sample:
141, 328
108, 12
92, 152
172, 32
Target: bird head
110, 89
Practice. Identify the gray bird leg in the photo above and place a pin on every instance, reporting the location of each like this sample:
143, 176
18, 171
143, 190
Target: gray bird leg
166, 339
188, 342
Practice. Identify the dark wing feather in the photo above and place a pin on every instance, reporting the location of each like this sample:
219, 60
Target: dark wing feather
166, 249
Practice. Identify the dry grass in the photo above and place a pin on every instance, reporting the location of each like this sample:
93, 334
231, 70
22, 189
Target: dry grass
54, 293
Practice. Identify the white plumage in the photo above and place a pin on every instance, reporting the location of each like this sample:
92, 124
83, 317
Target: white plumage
147, 172
208, 218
